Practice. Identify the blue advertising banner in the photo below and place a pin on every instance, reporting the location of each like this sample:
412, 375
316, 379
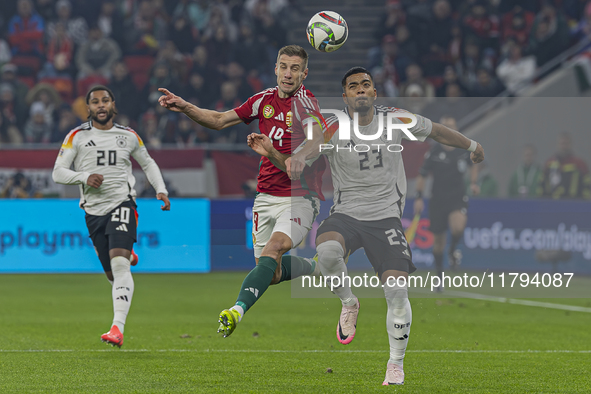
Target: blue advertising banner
500, 235
533, 235
231, 235
51, 236
45, 236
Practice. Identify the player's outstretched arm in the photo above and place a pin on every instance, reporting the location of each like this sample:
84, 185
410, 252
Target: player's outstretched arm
446, 136
211, 119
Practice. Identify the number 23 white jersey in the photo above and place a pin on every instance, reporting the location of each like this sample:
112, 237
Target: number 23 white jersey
108, 153
369, 180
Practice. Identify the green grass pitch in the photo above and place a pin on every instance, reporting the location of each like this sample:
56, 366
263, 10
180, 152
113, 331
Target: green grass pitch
50, 327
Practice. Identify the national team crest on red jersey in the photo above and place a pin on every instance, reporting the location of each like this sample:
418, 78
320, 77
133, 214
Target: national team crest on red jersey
268, 111
289, 119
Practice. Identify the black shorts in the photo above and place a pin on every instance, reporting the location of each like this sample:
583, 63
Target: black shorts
383, 240
117, 229
439, 211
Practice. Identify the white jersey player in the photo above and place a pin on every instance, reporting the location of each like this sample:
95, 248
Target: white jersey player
370, 187
100, 151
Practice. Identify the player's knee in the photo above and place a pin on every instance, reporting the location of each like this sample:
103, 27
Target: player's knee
119, 265
329, 253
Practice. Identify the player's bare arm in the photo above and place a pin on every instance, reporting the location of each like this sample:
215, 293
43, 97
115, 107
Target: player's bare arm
263, 145
446, 136
297, 162
95, 180
293, 165
207, 118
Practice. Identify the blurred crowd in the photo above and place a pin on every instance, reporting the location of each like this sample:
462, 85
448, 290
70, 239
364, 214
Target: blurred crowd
471, 48
215, 54
562, 176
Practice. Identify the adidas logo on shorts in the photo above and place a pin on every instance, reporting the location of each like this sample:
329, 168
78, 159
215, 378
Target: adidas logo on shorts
122, 227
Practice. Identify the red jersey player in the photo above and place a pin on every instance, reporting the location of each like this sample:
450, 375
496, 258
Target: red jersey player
284, 208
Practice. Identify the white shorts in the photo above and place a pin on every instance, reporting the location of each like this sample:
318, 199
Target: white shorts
289, 215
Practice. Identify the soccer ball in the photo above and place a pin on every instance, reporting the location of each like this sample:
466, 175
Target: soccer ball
327, 31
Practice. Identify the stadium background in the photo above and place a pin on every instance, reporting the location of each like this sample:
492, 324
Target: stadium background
511, 73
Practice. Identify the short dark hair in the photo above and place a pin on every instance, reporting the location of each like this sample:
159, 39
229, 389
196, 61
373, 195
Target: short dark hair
294, 50
97, 88
353, 71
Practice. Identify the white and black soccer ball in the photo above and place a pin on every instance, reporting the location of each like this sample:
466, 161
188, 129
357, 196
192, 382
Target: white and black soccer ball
327, 31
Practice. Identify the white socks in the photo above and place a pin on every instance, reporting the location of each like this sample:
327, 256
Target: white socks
332, 263
240, 311
122, 290
398, 321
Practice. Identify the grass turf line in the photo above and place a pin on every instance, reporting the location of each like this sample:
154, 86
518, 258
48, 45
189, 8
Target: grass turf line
69, 312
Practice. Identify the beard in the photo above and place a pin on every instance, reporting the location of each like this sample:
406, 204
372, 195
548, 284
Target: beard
110, 114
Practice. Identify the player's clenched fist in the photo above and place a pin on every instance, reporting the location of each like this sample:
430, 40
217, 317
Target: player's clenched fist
478, 155
95, 180
171, 101
295, 166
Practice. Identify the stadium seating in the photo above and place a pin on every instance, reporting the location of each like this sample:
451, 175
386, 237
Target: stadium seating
139, 67
63, 85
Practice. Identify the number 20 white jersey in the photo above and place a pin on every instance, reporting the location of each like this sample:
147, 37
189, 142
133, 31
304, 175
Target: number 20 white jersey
105, 152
